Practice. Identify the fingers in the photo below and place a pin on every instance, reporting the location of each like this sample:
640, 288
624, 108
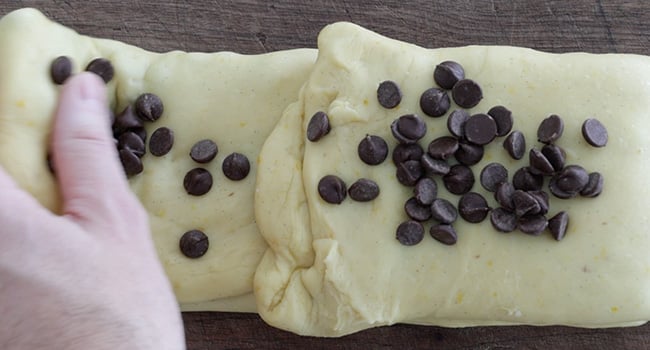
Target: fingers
88, 168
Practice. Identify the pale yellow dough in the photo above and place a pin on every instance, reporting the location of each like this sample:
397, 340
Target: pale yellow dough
336, 269
232, 99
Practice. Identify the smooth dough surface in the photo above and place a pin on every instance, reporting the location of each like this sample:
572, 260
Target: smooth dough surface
335, 269
233, 99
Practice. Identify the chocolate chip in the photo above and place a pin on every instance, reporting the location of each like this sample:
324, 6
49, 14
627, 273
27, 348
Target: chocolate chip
443, 147
542, 199
149, 107
532, 225
493, 175
539, 164
425, 191
503, 220
480, 129
409, 172
444, 234
503, 118
332, 189
61, 69
197, 182
443, 211
594, 186
468, 153
526, 180
447, 74
161, 141
417, 211
594, 132
101, 67
372, 150
550, 129
456, 122
410, 233
389, 94
555, 155
236, 166
459, 180
569, 182
194, 244
524, 203
141, 132
503, 195
473, 207
127, 120
319, 126
467, 93
204, 151
434, 102
515, 144
364, 190
407, 151
408, 128
131, 141
558, 225
433, 166
131, 163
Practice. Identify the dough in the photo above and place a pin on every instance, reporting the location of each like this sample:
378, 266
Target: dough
331, 270
232, 99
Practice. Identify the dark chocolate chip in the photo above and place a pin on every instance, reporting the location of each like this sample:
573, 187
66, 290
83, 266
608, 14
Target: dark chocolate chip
131, 141
435, 102
526, 180
410, 233
364, 190
550, 129
459, 180
555, 155
131, 163
515, 144
417, 211
539, 164
493, 175
443, 147
372, 150
127, 120
236, 166
532, 225
447, 74
409, 172
444, 234
572, 179
319, 126
102, 67
525, 204
197, 182
161, 141
389, 94
473, 207
141, 132
425, 191
503, 118
503, 195
61, 69
407, 151
194, 244
204, 151
467, 93
558, 225
408, 128
468, 153
542, 199
456, 122
443, 211
149, 107
433, 166
332, 189
503, 220
480, 129
594, 132
594, 186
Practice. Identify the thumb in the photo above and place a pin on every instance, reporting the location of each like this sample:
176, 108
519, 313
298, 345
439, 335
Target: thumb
88, 168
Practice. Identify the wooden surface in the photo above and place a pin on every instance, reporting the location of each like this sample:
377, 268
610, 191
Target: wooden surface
252, 26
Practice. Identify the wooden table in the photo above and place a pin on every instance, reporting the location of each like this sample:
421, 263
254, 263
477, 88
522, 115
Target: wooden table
256, 26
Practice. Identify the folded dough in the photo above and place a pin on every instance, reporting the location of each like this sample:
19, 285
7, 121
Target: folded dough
335, 269
232, 99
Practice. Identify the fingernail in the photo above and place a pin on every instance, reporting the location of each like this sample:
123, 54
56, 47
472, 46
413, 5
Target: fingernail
91, 87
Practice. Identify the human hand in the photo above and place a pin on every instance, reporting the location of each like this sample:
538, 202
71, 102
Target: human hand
90, 278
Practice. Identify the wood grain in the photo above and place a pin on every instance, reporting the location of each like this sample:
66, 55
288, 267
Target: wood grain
256, 26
